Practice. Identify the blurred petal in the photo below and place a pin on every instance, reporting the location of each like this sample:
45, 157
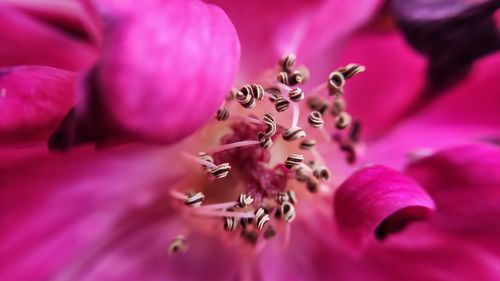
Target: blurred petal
423, 253
393, 81
30, 40
466, 113
33, 100
451, 33
465, 184
68, 209
270, 29
377, 201
159, 79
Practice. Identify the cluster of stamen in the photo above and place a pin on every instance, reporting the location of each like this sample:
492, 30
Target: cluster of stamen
269, 199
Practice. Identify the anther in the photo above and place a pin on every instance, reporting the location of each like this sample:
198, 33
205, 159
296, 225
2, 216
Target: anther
355, 131
178, 245
296, 94
293, 160
283, 78
312, 185
294, 133
264, 141
336, 82
269, 232
321, 173
194, 200
307, 144
338, 106
270, 122
292, 197
295, 78
315, 119
274, 93
317, 104
220, 171
342, 120
261, 218
281, 104
230, 223
244, 200
287, 62
300, 175
222, 114
258, 91
351, 69
288, 211
206, 157
246, 100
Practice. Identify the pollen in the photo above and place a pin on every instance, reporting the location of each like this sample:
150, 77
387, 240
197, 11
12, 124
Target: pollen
269, 154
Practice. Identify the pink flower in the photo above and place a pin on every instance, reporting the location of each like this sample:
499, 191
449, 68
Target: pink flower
157, 71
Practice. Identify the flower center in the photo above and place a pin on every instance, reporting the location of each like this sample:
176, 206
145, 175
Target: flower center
267, 158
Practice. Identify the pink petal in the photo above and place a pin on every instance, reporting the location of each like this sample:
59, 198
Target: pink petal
393, 80
423, 253
103, 215
33, 100
465, 184
377, 201
165, 69
270, 29
28, 40
466, 113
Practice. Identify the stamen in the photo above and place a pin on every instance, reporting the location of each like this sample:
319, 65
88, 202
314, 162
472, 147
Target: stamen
351, 69
273, 93
307, 144
296, 94
317, 104
258, 91
246, 100
321, 173
217, 213
296, 78
246, 119
218, 206
178, 245
264, 141
288, 211
312, 185
288, 61
355, 131
270, 121
338, 106
295, 115
336, 83
283, 78
300, 175
261, 218
245, 200
206, 157
233, 145
343, 120
281, 104
315, 119
269, 232
293, 160
200, 161
222, 114
221, 171
194, 200
230, 223
293, 133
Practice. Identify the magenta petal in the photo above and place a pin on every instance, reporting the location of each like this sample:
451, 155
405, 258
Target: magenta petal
33, 100
27, 40
166, 67
393, 81
376, 201
70, 214
270, 29
465, 184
